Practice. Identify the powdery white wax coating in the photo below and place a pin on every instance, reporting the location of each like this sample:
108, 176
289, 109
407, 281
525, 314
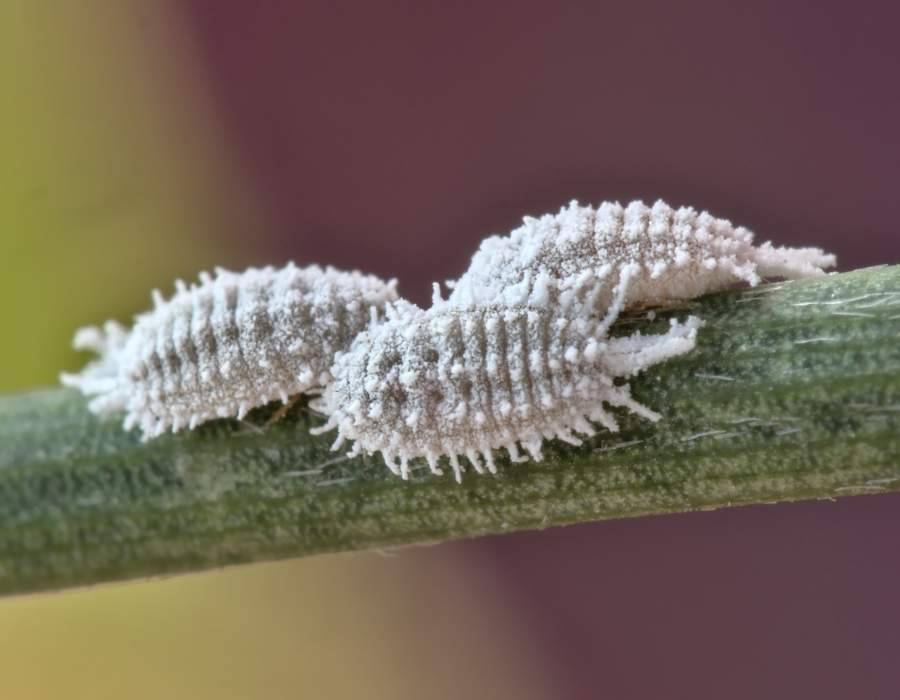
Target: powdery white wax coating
462, 382
228, 344
676, 254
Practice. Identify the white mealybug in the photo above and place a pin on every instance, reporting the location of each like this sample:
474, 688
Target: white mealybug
230, 343
462, 381
677, 254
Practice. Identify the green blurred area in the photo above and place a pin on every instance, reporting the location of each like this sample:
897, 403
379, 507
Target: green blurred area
106, 189
116, 179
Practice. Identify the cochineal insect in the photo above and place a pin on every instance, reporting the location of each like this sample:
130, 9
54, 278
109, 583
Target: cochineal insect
676, 254
463, 381
230, 343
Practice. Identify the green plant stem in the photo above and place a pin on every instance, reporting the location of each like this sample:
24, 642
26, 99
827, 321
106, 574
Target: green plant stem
793, 393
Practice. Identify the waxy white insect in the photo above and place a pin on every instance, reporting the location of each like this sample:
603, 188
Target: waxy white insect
226, 345
676, 253
463, 381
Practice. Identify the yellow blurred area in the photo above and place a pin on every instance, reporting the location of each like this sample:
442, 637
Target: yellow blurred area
116, 178
344, 626
111, 178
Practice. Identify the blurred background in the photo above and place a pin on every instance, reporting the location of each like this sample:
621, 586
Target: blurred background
140, 142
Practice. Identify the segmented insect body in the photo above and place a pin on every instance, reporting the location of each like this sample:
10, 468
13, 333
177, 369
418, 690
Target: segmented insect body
676, 254
230, 343
464, 381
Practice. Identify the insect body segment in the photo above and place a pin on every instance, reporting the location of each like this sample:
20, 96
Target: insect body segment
228, 344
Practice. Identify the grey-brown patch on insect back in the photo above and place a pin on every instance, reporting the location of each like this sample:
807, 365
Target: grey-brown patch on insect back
231, 343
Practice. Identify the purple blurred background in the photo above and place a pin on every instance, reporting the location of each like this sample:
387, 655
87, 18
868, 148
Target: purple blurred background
394, 136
